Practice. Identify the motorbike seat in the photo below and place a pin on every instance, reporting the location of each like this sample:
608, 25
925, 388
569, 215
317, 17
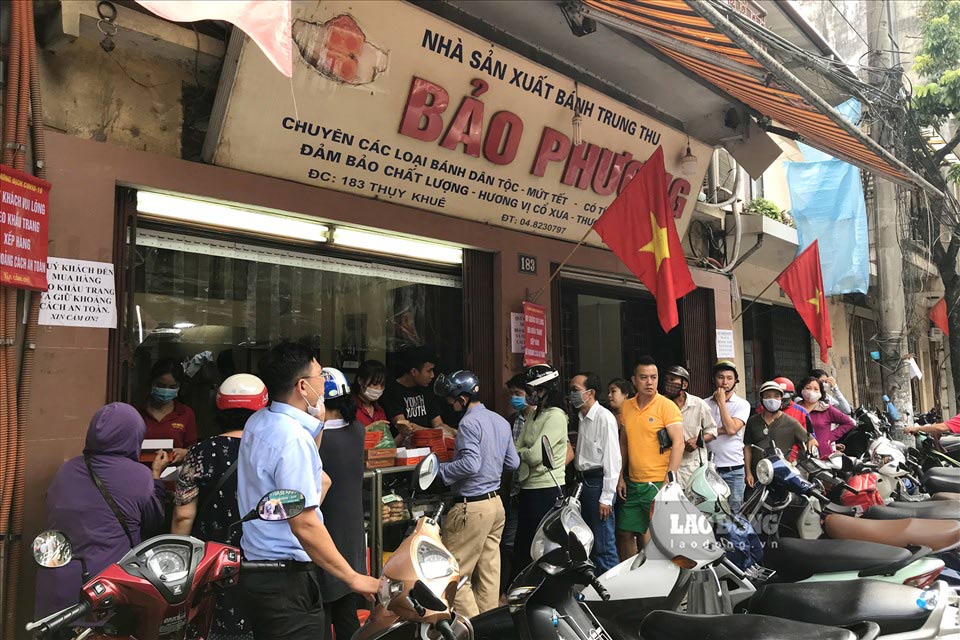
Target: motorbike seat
668, 625
942, 479
946, 495
930, 510
797, 559
939, 535
892, 606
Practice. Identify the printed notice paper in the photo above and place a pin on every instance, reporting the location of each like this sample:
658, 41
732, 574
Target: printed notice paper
80, 294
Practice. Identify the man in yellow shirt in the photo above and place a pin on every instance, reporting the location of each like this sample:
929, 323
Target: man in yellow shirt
642, 417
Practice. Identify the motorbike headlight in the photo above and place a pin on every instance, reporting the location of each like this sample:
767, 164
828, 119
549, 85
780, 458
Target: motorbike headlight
549, 537
574, 523
435, 562
765, 472
388, 590
716, 483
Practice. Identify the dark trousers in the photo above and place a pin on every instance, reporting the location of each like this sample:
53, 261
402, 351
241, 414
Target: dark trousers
284, 606
532, 505
342, 621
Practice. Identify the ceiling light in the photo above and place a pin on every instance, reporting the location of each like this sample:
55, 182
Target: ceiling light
395, 245
184, 325
689, 162
220, 215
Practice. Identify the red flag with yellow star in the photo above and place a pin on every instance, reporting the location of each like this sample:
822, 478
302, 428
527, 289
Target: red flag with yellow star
639, 228
802, 281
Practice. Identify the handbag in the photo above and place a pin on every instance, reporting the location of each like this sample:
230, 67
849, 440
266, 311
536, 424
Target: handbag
121, 518
663, 439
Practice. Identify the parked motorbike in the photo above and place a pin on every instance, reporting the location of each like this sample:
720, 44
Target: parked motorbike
161, 589
680, 562
785, 559
543, 599
901, 612
419, 582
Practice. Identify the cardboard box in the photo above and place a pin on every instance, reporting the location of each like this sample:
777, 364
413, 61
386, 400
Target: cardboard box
380, 454
380, 463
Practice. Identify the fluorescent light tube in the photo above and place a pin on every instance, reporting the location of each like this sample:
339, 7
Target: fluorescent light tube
396, 245
220, 215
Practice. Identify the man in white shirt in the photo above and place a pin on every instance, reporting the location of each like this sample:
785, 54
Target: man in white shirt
730, 412
597, 462
696, 420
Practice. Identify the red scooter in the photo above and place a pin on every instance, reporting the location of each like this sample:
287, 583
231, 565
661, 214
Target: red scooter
163, 588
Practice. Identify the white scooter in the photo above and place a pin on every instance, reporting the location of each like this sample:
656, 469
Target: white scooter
678, 564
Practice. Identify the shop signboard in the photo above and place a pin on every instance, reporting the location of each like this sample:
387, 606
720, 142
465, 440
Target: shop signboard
24, 201
534, 334
390, 102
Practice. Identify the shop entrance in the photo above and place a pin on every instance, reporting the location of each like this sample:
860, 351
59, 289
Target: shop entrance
606, 328
775, 343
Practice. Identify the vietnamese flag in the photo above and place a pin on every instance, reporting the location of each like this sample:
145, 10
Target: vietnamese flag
938, 315
803, 283
638, 227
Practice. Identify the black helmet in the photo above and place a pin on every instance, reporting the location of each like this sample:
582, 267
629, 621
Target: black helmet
726, 365
541, 376
678, 371
458, 383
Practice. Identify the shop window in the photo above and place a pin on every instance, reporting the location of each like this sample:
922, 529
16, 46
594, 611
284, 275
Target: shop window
220, 305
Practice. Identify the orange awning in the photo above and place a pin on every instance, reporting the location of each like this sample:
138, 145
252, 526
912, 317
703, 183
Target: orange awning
681, 33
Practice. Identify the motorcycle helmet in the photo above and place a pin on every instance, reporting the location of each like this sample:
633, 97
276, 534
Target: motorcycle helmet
726, 365
335, 384
541, 376
459, 383
242, 391
678, 371
787, 385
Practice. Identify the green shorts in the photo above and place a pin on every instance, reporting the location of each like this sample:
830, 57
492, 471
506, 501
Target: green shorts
635, 510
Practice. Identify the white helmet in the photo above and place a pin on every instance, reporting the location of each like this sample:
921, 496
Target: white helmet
335, 383
242, 391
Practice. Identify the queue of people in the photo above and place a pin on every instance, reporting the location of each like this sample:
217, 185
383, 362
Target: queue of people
301, 426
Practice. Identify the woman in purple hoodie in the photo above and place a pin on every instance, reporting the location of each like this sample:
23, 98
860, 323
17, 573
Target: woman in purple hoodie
76, 506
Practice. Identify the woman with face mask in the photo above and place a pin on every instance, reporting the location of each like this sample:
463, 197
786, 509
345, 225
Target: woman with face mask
166, 417
368, 386
829, 423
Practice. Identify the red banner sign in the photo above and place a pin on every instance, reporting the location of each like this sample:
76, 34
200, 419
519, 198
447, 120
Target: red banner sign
23, 230
534, 334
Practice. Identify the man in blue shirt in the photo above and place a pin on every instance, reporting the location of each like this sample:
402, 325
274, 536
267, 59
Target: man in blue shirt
483, 450
279, 451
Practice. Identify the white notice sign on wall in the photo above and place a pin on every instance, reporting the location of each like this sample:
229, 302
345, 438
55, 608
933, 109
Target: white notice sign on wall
725, 343
516, 333
81, 293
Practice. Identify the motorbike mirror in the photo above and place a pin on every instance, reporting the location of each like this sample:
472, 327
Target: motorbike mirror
546, 452
577, 551
671, 477
427, 598
426, 472
52, 549
281, 504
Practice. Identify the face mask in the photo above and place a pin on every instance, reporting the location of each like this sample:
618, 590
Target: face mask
317, 410
810, 395
671, 390
163, 396
576, 399
771, 404
372, 394
519, 403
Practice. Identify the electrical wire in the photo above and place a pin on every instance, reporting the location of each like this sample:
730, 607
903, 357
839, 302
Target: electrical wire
862, 39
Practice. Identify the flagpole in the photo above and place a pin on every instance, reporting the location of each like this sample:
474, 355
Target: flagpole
569, 255
752, 302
